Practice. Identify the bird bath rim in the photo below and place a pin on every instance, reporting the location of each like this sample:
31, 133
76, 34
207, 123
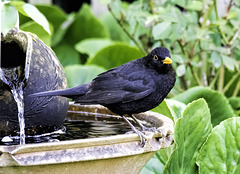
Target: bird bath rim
91, 149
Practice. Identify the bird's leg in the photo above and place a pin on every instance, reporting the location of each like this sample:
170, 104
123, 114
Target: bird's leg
144, 128
140, 134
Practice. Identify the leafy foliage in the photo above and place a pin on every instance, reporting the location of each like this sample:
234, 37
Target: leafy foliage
220, 153
85, 25
195, 124
219, 105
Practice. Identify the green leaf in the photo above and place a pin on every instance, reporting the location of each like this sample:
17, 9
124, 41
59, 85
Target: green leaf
235, 103
92, 46
181, 69
115, 55
35, 28
86, 25
116, 7
154, 166
221, 152
195, 5
163, 109
81, 74
66, 54
229, 62
55, 15
189, 134
161, 30
170, 108
32, 12
9, 17
19, 6
219, 105
57, 18
216, 59
176, 108
59, 34
116, 32
190, 33
177, 58
190, 5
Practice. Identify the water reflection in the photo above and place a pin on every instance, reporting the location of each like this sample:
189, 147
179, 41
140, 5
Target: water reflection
73, 130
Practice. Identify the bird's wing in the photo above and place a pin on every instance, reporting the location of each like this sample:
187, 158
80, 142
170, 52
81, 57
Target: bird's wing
119, 85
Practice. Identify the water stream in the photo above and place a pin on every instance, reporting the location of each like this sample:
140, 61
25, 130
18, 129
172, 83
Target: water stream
14, 78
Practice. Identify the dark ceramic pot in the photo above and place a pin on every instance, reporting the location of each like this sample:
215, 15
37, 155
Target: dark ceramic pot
43, 72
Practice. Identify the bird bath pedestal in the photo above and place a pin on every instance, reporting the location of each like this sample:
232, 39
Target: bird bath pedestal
110, 154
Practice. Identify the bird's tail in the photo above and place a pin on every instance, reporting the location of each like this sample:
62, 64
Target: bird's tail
70, 93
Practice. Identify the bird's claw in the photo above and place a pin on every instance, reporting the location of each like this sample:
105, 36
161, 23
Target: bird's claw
142, 138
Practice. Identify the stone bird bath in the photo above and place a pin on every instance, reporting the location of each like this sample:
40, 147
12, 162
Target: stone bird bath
110, 154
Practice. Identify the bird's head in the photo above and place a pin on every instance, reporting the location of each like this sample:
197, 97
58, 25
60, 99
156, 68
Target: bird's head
160, 58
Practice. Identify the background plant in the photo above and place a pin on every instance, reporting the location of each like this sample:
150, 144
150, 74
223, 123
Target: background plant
205, 51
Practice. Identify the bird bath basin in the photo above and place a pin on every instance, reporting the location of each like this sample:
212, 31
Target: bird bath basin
107, 154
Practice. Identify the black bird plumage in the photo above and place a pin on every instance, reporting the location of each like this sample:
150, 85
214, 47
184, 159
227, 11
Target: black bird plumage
133, 87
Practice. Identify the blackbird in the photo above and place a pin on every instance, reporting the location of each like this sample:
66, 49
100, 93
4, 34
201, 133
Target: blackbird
134, 87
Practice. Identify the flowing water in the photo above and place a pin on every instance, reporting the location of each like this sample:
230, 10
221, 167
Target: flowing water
14, 78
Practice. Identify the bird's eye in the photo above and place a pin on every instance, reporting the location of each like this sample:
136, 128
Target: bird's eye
155, 57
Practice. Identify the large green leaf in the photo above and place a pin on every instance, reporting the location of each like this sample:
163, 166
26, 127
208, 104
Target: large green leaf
32, 12
35, 28
219, 106
54, 15
189, 134
59, 34
81, 74
115, 55
38, 17
216, 59
92, 46
86, 25
221, 152
162, 30
176, 108
170, 108
9, 17
163, 109
229, 62
67, 54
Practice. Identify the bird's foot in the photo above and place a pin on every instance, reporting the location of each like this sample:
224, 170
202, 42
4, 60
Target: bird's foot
144, 128
143, 137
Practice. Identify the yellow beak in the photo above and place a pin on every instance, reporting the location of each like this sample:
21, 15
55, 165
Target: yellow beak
167, 60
